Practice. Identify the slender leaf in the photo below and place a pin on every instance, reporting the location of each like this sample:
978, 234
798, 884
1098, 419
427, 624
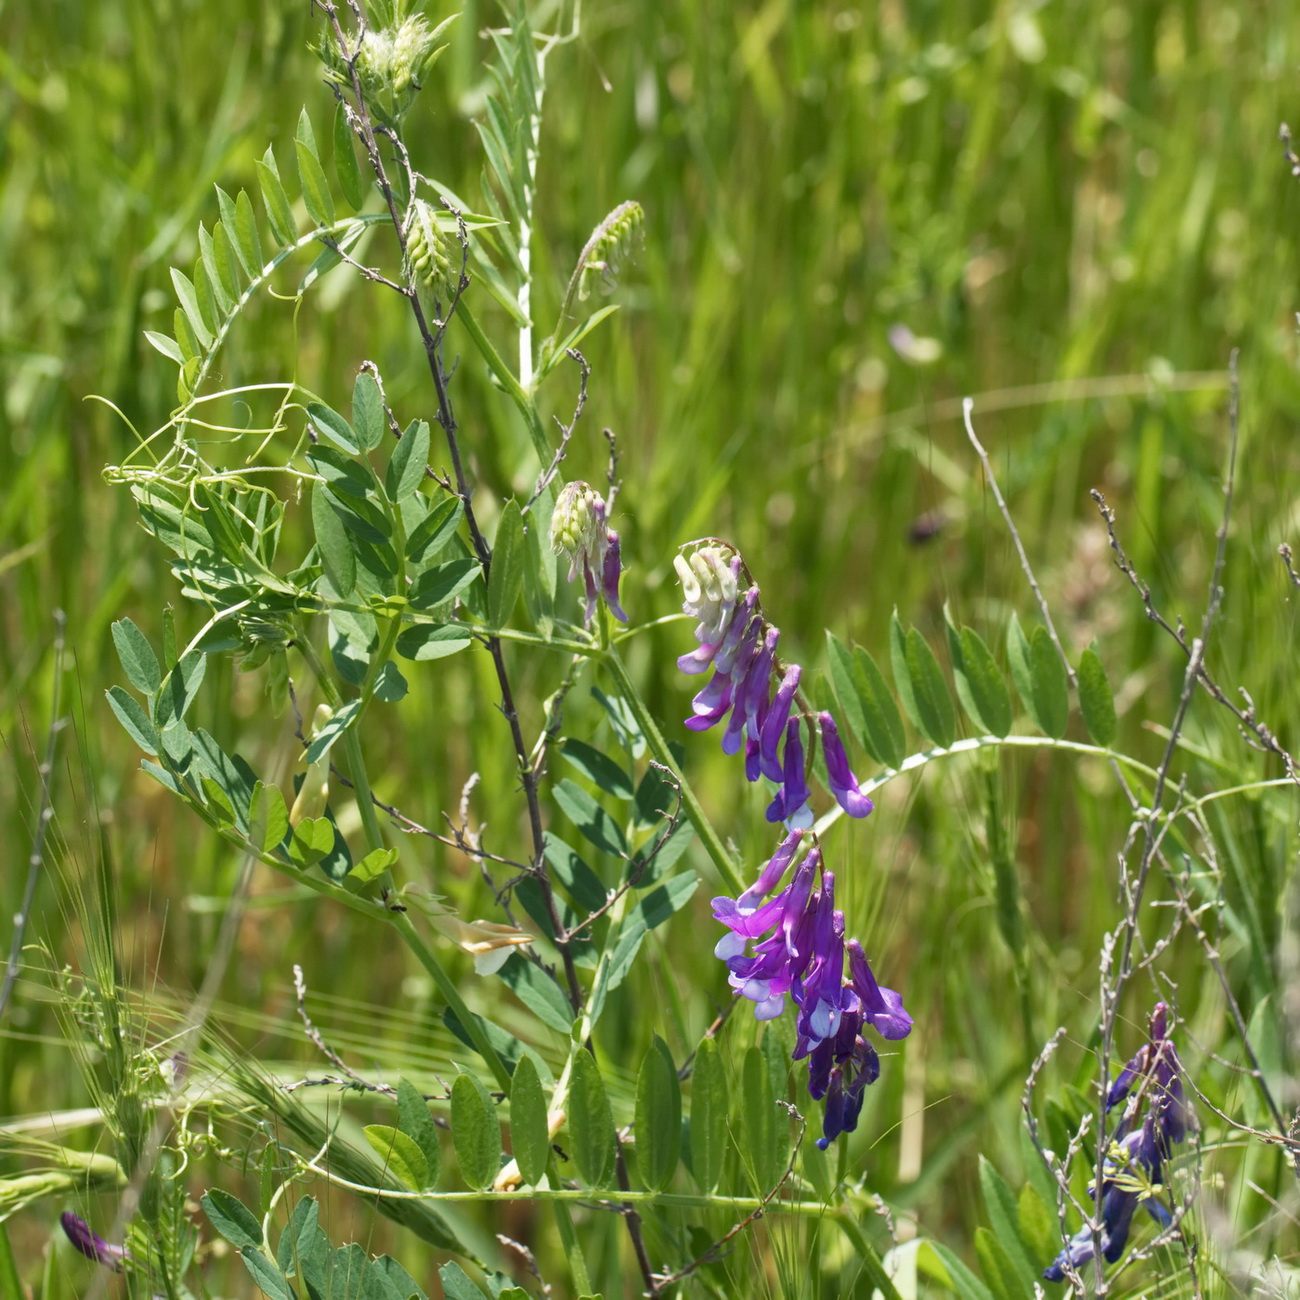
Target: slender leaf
345, 161
268, 818
330, 424
368, 418
591, 1125
337, 556
593, 822
529, 1137
248, 244
332, 730
883, 737
401, 1155
189, 301
598, 768
980, 687
506, 578
935, 715
408, 462
538, 992
169, 347
840, 661
1096, 702
579, 880
435, 531
225, 297
227, 262
438, 585
475, 1131
265, 1274
709, 1108
658, 1116
137, 656
278, 211
1051, 686
457, 1284
178, 689
1004, 1220
232, 1219
760, 1142
965, 1282
428, 641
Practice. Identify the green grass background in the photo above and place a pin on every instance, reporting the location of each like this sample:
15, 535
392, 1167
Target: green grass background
1086, 195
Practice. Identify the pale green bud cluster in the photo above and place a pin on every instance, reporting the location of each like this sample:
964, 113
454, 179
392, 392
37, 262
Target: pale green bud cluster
578, 523
391, 64
426, 252
614, 241
710, 579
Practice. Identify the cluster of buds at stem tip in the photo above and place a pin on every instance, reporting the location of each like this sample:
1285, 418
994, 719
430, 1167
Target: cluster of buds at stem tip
580, 531
1154, 1119
391, 64
429, 266
799, 950
739, 645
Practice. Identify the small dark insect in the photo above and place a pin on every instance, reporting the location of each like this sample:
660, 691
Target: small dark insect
926, 527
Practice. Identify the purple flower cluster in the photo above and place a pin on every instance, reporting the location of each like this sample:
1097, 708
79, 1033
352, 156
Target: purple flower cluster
1151, 1086
580, 530
799, 949
739, 645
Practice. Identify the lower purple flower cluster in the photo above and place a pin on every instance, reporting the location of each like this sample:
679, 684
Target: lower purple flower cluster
799, 949
739, 645
1151, 1084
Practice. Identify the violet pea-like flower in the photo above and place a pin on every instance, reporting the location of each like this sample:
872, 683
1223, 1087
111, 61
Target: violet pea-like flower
91, 1244
844, 785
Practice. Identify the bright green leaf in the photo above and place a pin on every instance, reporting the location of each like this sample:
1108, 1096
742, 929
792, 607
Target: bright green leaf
345, 161
591, 1125
138, 659
1096, 702
658, 1116
709, 1105
506, 578
408, 462
529, 1136
415, 1121
232, 1219
475, 1131
401, 1155
426, 641
368, 418
599, 768
935, 716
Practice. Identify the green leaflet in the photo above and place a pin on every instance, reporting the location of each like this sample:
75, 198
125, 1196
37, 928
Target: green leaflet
475, 1132
1096, 702
401, 1155
506, 579
658, 1116
529, 1137
980, 687
591, 1125
709, 1104
408, 462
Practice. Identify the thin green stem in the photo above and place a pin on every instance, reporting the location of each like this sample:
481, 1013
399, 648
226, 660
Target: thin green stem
451, 995
698, 818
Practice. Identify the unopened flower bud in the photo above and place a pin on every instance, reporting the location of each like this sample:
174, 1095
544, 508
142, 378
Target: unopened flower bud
580, 531
426, 252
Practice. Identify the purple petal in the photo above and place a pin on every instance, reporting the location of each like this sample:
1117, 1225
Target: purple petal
844, 785
774, 723
611, 570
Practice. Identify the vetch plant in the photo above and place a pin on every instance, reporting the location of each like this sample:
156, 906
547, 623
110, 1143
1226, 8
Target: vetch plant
387, 548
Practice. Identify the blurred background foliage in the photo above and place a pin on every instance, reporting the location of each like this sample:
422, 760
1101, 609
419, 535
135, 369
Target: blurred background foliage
855, 216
